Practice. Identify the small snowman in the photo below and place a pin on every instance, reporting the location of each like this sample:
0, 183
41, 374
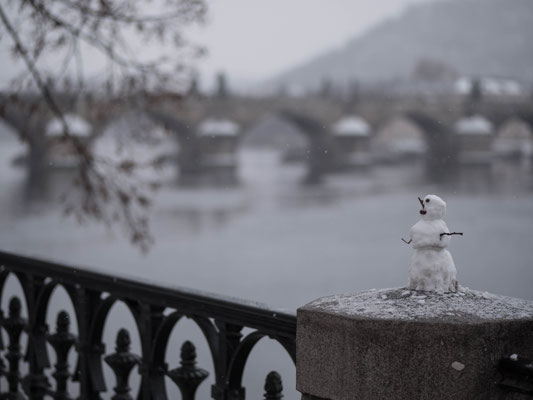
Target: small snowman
432, 267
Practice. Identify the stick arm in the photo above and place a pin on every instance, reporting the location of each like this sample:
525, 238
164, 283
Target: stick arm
450, 234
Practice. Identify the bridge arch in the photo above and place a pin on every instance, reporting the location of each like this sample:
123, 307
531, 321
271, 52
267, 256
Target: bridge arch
442, 147
138, 137
514, 137
429, 138
399, 138
305, 139
273, 147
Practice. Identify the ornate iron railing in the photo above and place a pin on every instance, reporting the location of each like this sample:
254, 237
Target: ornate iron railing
155, 309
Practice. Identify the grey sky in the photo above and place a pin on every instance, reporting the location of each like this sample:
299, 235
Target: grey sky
252, 40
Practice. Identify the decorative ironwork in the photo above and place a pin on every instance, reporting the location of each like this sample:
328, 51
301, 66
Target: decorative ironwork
188, 377
62, 341
13, 325
273, 386
155, 309
122, 362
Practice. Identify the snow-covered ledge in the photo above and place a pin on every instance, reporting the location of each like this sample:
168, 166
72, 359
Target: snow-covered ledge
407, 344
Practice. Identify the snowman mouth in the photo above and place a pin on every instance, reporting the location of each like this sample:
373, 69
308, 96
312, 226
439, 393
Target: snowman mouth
422, 211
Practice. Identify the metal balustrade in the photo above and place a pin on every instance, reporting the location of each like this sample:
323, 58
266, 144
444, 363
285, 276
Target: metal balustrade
155, 309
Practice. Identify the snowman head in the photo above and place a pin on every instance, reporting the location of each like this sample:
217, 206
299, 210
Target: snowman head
433, 207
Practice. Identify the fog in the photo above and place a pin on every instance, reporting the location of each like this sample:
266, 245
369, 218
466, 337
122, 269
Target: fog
290, 167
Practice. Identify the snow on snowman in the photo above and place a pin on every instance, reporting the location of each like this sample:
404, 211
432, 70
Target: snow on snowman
432, 267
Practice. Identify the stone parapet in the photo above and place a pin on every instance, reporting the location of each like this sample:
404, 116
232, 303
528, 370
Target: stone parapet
402, 344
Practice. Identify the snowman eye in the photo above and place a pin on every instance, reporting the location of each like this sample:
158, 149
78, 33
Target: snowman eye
427, 200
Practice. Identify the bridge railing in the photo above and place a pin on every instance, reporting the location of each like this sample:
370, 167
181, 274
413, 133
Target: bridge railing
155, 310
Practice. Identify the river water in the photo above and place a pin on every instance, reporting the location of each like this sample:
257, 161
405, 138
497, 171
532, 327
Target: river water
276, 241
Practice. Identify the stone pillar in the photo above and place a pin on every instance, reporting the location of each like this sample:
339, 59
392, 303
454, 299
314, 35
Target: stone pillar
402, 344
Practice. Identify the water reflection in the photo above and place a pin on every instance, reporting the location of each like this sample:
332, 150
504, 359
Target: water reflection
267, 179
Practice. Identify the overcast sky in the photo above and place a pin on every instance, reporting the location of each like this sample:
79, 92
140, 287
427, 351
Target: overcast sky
252, 40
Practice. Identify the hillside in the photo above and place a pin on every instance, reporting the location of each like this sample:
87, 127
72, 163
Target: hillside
473, 37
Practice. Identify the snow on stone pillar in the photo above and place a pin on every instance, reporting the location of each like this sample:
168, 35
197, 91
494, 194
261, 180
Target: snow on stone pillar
442, 342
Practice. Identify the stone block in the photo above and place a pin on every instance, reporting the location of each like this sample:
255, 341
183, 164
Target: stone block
401, 344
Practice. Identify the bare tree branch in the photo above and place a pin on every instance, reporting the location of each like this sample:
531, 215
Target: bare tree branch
109, 191
43, 87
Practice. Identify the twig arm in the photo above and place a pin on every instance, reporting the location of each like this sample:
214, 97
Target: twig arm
450, 234
408, 242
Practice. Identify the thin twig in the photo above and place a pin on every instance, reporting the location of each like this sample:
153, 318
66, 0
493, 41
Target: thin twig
450, 234
94, 40
117, 16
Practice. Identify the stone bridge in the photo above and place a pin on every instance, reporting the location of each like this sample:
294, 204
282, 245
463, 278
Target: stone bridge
436, 117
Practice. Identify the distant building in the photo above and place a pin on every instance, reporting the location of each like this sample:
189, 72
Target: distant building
475, 135
489, 86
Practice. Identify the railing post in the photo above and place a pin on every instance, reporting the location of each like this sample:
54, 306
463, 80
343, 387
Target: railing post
188, 377
13, 325
3, 369
62, 341
122, 362
35, 384
273, 386
150, 319
86, 302
229, 338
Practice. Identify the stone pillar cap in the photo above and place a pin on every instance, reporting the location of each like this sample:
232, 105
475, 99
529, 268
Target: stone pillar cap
467, 306
409, 345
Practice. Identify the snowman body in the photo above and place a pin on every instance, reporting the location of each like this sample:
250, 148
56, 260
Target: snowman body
432, 267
